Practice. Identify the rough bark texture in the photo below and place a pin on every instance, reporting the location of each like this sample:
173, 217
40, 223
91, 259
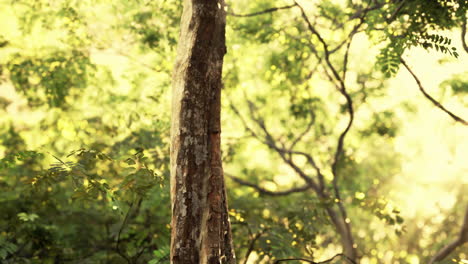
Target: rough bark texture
200, 224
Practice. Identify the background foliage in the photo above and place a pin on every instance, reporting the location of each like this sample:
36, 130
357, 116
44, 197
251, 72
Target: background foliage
84, 129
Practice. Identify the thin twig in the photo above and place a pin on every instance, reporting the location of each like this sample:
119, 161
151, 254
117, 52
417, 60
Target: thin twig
430, 98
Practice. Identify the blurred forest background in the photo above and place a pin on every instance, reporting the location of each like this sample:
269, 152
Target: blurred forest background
85, 116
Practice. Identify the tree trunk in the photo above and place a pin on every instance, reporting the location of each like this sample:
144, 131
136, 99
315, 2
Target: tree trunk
344, 231
201, 230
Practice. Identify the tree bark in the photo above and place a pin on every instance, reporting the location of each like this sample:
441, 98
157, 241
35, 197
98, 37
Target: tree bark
344, 231
201, 230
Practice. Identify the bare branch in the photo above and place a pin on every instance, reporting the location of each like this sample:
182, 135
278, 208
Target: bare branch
342, 89
265, 191
338, 80
463, 35
396, 11
252, 244
366, 10
306, 130
313, 262
271, 143
430, 98
351, 34
340, 222
462, 239
312, 162
124, 223
350, 109
244, 122
133, 59
266, 11
464, 229
346, 232
339, 147
324, 44
345, 62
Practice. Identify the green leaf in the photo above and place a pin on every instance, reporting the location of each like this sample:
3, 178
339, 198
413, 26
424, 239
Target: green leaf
130, 161
27, 217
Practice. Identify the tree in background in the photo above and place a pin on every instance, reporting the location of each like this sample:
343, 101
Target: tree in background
299, 122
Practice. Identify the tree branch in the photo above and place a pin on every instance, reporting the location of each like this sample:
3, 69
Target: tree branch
340, 146
124, 223
339, 81
266, 11
265, 191
270, 142
312, 162
244, 122
252, 244
462, 239
342, 87
324, 44
344, 229
345, 61
351, 33
313, 262
306, 130
359, 13
430, 98
395, 12
350, 109
463, 35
